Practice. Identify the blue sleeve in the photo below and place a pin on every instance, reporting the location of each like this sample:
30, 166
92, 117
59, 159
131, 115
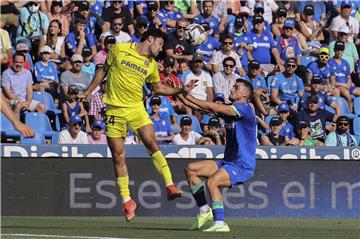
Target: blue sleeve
347, 68
244, 110
197, 19
70, 42
297, 48
278, 45
167, 103
90, 40
275, 83
271, 40
168, 126
263, 83
37, 72
301, 84
310, 67
205, 119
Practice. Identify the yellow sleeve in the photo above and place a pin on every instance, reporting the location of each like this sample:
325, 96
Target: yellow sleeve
154, 77
110, 56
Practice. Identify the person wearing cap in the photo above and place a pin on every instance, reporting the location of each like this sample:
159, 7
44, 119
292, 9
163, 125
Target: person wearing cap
241, 41
187, 136
319, 9
209, 46
176, 46
273, 138
287, 44
117, 10
151, 17
97, 135
33, 23
22, 48
100, 57
226, 51
265, 8
163, 132
224, 80
207, 15
292, 8
238, 164
74, 76
316, 117
277, 25
340, 74
167, 76
116, 31
263, 46
214, 131
166, 108
93, 21
345, 19
88, 66
303, 131
127, 68
56, 12
341, 137
74, 134
46, 73
324, 97
286, 86
17, 85
140, 28
287, 129
350, 52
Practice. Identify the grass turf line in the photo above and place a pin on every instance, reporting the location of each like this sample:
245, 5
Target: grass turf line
177, 227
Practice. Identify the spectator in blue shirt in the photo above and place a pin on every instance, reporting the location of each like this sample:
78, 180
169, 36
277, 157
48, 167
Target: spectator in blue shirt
93, 21
77, 40
263, 45
287, 129
355, 6
208, 7
140, 29
168, 15
241, 42
287, 44
209, 46
151, 15
88, 66
259, 11
287, 86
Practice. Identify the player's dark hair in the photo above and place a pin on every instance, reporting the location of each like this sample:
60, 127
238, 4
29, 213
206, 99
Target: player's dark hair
247, 85
154, 32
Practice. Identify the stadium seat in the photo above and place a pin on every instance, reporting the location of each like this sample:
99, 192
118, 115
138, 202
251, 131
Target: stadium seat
357, 105
306, 60
356, 126
195, 122
344, 108
7, 129
55, 137
37, 139
48, 100
357, 138
40, 123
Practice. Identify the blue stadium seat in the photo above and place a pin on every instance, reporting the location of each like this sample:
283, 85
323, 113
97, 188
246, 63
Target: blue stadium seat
306, 60
48, 100
37, 139
40, 123
356, 126
344, 108
55, 137
357, 105
7, 129
357, 138
195, 122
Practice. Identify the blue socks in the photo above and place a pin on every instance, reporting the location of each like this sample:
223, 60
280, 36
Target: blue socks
218, 211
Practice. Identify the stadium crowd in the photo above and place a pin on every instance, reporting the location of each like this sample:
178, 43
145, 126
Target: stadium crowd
302, 59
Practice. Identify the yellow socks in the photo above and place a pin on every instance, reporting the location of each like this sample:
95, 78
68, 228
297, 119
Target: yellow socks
123, 184
162, 167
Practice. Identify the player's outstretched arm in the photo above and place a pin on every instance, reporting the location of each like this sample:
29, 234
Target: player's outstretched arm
189, 104
99, 76
161, 89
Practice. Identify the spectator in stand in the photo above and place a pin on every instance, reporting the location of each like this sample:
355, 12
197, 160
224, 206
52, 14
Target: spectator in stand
292, 9
287, 129
167, 77
116, 10
278, 24
73, 106
176, 46
210, 45
74, 76
304, 137
46, 73
183, 67
341, 136
311, 29
188, 8
274, 138
260, 93
168, 15
100, 57
316, 117
97, 104
22, 48
140, 29
340, 71
324, 97
226, 51
350, 52
88, 66
79, 39
355, 5
186, 136
287, 45
244, 14
259, 11
344, 19
97, 135
74, 134
319, 9
120, 36
219, 98
263, 45
162, 125
224, 80
321, 68
268, 7
5, 46
165, 108
220, 12
150, 18
207, 16
56, 41
241, 42
93, 21
286, 86
214, 132
57, 13
17, 83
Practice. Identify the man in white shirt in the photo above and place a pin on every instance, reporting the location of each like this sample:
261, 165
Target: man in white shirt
120, 36
73, 135
186, 136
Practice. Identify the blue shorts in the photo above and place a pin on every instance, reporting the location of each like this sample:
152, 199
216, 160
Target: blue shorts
237, 174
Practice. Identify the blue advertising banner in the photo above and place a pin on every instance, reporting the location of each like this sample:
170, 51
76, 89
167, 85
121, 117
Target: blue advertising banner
81, 187
176, 151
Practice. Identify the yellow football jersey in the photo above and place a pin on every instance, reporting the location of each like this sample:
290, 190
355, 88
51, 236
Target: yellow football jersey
128, 71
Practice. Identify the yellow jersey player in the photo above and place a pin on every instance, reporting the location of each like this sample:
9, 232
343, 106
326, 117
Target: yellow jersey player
128, 66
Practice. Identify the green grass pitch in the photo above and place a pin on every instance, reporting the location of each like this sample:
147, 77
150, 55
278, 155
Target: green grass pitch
174, 227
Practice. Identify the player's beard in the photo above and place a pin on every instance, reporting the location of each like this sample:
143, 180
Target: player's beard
153, 52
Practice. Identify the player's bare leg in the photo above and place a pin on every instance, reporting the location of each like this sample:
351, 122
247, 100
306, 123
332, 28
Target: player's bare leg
147, 135
116, 146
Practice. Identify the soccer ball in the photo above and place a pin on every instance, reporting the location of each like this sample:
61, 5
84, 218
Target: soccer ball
195, 34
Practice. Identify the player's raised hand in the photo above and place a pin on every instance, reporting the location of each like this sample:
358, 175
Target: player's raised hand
83, 96
189, 86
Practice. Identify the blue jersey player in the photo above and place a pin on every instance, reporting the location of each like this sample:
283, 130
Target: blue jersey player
238, 164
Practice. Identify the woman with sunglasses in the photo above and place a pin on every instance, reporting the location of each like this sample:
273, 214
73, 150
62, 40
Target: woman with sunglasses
56, 12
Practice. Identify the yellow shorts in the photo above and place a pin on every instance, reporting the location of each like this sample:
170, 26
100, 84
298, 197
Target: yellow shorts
117, 120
